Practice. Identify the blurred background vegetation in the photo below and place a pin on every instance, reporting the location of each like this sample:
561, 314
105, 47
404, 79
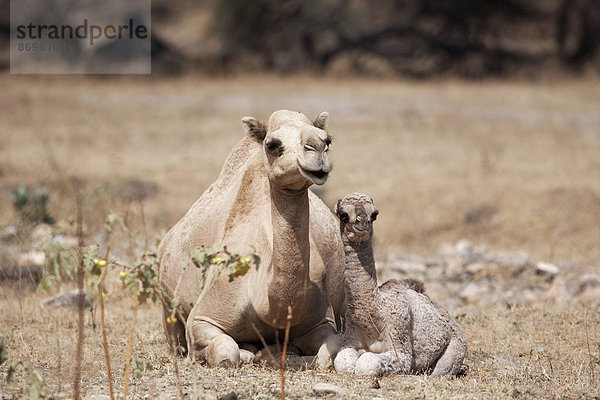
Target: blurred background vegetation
411, 38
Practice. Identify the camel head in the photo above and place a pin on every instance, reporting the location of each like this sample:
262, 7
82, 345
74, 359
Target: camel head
295, 149
356, 212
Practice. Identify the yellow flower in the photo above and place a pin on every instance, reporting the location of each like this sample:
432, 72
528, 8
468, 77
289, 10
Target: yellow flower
241, 269
103, 295
122, 275
245, 260
171, 321
217, 260
95, 261
101, 263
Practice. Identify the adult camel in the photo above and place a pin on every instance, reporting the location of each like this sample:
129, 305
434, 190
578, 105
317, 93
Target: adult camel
260, 204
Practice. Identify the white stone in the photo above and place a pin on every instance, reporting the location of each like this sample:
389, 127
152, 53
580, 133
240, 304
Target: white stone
33, 258
323, 388
547, 268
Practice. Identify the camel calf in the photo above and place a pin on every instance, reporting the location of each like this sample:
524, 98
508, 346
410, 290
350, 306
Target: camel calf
394, 328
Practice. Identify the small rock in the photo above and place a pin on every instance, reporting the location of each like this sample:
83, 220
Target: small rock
407, 267
10, 231
589, 281
471, 292
97, 397
323, 388
41, 236
480, 213
33, 258
588, 288
545, 268
558, 291
30, 274
68, 299
67, 241
464, 247
229, 396
505, 367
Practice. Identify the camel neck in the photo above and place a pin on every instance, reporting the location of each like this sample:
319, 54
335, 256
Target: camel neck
361, 286
291, 253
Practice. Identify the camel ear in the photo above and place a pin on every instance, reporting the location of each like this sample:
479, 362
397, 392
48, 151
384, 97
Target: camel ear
322, 120
254, 128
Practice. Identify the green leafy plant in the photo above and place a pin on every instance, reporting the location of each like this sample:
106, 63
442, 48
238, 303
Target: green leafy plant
141, 278
31, 206
233, 263
3, 350
36, 389
61, 264
111, 221
36, 386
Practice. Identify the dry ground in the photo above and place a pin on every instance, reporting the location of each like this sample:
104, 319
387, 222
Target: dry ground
524, 352
428, 153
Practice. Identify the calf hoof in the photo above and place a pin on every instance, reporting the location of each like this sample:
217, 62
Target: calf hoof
369, 364
345, 361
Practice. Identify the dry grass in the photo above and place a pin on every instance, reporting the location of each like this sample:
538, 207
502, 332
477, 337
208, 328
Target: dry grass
427, 153
528, 352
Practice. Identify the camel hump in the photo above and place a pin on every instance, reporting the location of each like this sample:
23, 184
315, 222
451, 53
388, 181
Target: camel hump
414, 284
410, 283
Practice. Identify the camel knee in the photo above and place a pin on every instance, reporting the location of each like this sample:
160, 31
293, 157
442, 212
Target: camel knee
209, 343
223, 351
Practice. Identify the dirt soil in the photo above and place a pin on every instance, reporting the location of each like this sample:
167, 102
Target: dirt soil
510, 165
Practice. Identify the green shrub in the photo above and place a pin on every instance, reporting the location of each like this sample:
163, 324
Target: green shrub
31, 206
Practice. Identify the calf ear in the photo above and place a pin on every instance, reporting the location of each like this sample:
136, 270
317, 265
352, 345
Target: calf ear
322, 120
337, 207
341, 214
254, 128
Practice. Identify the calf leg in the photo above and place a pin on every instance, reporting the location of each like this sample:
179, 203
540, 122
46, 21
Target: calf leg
450, 362
378, 364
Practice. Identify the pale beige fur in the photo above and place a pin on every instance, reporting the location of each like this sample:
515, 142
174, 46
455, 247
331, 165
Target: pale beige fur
260, 204
394, 328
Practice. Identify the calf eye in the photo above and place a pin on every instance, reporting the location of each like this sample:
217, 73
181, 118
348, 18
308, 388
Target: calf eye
374, 215
344, 217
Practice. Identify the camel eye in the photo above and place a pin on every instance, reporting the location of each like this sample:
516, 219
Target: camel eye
344, 217
273, 144
374, 215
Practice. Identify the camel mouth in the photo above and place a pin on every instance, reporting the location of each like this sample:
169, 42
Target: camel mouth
317, 177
